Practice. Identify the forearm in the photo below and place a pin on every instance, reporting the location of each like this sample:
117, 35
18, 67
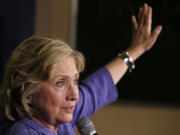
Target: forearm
117, 67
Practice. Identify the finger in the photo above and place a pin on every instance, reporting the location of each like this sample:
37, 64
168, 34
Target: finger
155, 34
144, 14
156, 31
140, 14
149, 19
134, 23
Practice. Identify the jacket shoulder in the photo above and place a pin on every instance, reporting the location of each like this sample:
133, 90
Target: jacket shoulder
19, 129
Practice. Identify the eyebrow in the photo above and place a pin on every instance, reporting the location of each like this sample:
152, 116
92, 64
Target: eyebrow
76, 75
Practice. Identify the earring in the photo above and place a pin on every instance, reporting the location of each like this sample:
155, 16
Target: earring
29, 99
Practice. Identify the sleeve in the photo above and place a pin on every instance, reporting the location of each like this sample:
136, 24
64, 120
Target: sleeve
96, 91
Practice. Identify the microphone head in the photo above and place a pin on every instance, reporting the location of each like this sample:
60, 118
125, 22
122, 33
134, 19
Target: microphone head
85, 126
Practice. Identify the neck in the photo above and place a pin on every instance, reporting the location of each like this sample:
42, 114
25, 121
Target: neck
49, 125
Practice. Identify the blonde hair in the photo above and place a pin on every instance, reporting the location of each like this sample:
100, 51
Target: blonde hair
31, 63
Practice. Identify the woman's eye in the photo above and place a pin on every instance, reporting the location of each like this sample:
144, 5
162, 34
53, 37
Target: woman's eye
76, 82
60, 83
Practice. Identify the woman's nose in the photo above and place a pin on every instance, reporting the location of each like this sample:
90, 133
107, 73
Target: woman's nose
72, 92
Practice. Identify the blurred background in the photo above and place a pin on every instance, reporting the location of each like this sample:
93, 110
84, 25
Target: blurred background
149, 101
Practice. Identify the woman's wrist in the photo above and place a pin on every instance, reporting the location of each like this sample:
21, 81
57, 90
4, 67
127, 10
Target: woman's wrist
127, 59
135, 52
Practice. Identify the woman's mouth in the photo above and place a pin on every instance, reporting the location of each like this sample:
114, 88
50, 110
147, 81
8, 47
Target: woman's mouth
69, 109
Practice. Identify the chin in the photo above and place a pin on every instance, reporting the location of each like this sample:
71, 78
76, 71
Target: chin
67, 118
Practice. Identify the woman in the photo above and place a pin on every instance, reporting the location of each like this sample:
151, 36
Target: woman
40, 93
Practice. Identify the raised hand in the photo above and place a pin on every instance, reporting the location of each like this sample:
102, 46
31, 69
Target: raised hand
143, 38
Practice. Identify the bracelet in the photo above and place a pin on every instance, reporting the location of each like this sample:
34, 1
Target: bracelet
128, 60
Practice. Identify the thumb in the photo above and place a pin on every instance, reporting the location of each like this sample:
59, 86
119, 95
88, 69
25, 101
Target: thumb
154, 36
156, 33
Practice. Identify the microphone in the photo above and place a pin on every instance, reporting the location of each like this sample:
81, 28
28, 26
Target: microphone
85, 126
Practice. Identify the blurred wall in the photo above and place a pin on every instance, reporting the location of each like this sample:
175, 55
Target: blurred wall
54, 17
137, 119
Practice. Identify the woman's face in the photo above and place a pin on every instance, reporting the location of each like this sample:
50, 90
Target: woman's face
56, 99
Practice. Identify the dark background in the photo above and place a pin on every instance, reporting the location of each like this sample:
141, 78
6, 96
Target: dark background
16, 24
104, 30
